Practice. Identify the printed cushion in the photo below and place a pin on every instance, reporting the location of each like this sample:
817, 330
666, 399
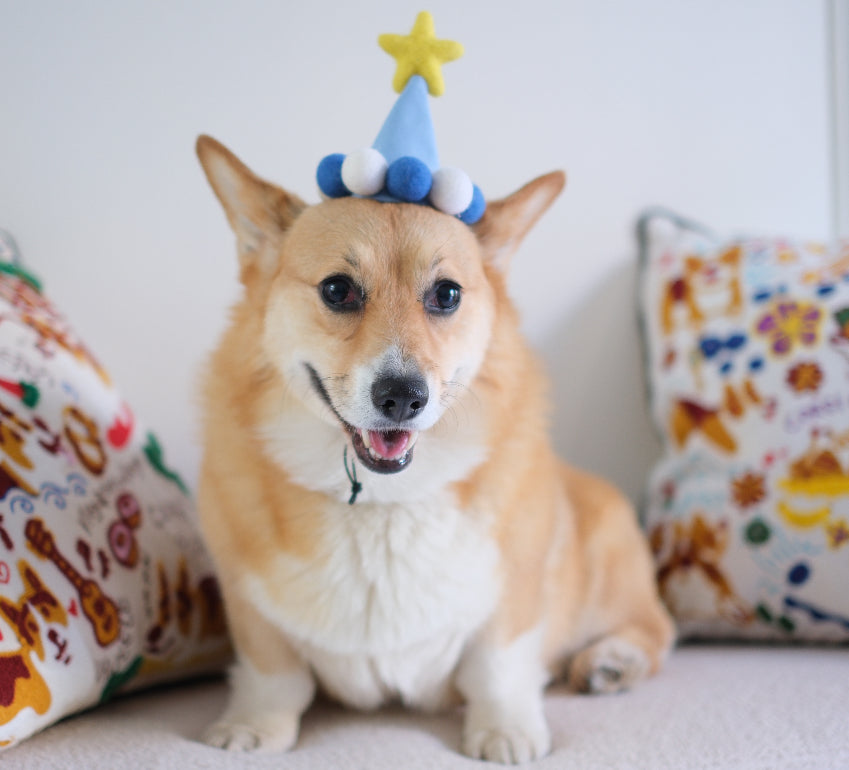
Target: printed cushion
104, 581
747, 346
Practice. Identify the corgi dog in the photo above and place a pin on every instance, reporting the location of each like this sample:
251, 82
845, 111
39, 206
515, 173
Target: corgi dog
378, 491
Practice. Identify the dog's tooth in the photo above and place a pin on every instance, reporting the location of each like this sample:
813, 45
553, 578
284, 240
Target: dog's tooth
365, 437
414, 437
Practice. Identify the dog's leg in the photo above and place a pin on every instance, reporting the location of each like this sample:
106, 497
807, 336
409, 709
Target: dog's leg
270, 687
503, 688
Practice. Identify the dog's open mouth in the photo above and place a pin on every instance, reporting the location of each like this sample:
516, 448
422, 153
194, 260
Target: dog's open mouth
387, 451
381, 451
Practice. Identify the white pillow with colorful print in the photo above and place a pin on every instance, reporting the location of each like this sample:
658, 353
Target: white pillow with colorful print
747, 356
104, 581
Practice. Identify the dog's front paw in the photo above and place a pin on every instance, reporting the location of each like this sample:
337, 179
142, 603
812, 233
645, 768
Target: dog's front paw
252, 737
510, 742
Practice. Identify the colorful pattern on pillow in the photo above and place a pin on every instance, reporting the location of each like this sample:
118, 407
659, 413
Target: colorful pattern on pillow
104, 581
747, 346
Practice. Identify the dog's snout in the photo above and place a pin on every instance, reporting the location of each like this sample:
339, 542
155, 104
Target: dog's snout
399, 398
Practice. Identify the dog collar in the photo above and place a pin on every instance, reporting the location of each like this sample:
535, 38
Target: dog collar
402, 166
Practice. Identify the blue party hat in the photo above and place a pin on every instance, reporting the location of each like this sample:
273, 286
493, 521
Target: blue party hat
403, 164
408, 129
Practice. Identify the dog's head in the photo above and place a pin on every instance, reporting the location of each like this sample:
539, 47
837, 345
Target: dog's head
377, 315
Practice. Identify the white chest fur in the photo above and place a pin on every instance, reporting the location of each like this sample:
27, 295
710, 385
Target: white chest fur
385, 607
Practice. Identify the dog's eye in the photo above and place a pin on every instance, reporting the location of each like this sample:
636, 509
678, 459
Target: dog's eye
444, 297
340, 293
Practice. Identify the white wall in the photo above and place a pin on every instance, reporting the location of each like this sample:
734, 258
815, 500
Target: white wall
718, 108
838, 23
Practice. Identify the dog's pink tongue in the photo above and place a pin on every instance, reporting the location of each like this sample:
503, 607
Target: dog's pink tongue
390, 445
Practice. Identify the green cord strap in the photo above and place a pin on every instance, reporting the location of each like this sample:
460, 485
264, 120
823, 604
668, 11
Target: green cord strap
356, 487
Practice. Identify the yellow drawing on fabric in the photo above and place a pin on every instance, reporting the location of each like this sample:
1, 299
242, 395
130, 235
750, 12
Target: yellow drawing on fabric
831, 271
13, 440
23, 686
420, 53
829, 486
819, 471
803, 519
788, 324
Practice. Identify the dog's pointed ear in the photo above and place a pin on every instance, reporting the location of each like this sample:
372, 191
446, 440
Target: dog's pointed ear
507, 221
258, 212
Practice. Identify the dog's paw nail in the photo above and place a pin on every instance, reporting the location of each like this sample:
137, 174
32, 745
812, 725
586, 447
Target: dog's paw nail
231, 738
508, 747
609, 666
241, 738
605, 678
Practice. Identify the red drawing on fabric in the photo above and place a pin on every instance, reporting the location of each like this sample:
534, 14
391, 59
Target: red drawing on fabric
84, 550
27, 392
122, 540
122, 428
185, 609
21, 684
5, 538
49, 440
100, 610
104, 563
61, 645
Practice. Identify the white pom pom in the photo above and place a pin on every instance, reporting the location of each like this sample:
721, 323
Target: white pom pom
452, 190
364, 172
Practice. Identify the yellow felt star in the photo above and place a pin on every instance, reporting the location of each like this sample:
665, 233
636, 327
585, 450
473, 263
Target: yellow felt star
420, 53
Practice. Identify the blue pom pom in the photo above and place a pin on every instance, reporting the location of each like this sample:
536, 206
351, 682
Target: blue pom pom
476, 208
408, 179
329, 176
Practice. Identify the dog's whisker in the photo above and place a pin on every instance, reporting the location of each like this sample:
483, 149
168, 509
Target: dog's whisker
457, 395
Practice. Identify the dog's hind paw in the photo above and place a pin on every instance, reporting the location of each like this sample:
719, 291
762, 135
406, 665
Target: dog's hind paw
248, 738
610, 665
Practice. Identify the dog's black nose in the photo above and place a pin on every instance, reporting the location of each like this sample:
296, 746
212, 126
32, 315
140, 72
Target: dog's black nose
399, 398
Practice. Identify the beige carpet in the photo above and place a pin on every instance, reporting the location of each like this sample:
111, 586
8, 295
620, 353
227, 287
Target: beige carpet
712, 707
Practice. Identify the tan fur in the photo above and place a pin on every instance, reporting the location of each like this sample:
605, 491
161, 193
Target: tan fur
570, 557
